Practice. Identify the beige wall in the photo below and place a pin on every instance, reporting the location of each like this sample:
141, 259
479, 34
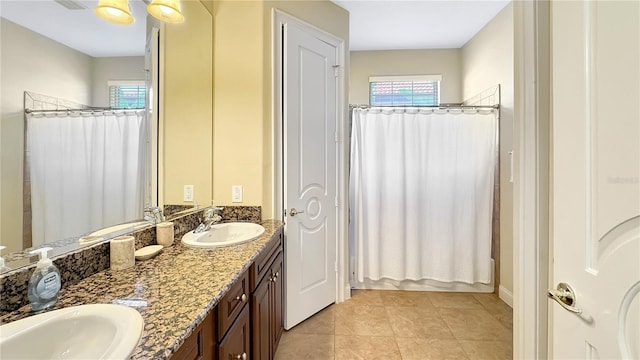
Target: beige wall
445, 62
487, 60
243, 116
30, 62
187, 107
113, 68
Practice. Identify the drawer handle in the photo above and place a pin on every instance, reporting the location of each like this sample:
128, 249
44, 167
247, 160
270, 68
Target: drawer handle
242, 357
242, 298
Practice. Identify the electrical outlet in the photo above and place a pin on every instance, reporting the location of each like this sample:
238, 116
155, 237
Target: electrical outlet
188, 193
236, 193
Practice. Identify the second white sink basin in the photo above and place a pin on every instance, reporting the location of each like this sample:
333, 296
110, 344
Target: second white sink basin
94, 331
223, 235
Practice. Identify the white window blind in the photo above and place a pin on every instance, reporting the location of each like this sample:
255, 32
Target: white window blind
127, 94
418, 90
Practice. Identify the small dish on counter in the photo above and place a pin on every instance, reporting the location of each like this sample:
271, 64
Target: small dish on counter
148, 252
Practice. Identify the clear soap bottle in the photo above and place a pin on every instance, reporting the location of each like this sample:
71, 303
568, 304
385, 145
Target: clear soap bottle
45, 282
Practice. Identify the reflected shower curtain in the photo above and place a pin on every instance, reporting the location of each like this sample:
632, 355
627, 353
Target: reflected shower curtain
421, 194
87, 171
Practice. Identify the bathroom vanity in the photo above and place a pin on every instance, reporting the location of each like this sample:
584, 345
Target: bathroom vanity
247, 322
222, 303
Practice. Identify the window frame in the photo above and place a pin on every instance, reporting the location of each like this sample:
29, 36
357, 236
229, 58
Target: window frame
406, 78
122, 83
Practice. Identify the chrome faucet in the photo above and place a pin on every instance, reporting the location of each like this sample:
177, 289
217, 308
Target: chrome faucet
153, 214
211, 216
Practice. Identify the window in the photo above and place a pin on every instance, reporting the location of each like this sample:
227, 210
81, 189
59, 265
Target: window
418, 90
127, 94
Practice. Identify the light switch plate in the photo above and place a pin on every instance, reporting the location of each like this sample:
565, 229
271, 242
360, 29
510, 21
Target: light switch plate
188, 193
236, 193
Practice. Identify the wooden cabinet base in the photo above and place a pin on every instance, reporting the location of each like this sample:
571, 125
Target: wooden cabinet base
236, 343
200, 345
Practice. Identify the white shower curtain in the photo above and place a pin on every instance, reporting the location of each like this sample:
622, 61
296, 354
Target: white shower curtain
421, 194
87, 171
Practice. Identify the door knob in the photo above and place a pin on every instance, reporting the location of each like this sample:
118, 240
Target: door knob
294, 212
565, 296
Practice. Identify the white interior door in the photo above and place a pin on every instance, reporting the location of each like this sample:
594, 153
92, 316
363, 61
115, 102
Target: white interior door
596, 178
310, 173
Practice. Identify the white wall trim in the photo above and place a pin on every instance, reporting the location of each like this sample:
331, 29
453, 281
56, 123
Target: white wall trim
531, 186
505, 295
280, 18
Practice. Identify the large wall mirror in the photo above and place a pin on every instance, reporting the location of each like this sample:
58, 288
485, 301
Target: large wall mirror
61, 50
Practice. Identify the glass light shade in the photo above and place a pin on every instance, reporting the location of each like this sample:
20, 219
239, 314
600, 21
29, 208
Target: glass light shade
166, 10
115, 11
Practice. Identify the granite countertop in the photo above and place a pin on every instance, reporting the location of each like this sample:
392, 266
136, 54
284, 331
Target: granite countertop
173, 292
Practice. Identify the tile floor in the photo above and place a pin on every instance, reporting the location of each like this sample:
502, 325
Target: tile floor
404, 325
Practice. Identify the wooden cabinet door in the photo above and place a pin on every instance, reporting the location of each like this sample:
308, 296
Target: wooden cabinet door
200, 345
260, 307
236, 344
276, 290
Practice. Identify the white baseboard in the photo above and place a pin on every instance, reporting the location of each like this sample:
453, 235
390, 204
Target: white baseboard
505, 295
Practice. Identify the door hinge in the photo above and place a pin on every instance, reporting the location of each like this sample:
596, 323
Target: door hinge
337, 70
336, 201
336, 137
335, 263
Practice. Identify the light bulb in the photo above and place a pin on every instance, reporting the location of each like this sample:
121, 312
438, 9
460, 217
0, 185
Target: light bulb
115, 12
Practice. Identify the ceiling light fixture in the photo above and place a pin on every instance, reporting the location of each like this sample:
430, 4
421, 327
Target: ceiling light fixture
166, 10
115, 11
118, 12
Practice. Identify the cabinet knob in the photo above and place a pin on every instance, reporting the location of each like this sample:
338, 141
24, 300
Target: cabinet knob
242, 298
242, 357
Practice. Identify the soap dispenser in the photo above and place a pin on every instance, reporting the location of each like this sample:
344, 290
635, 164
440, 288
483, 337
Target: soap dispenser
45, 282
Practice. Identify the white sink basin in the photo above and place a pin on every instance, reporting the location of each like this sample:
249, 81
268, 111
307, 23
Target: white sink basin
120, 229
223, 235
95, 331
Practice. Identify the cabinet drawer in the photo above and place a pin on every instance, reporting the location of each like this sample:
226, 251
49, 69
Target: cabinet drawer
232, 303
235, 345
262, 263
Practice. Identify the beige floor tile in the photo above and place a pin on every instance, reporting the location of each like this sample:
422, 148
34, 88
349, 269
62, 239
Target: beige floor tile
487, 350
322, 323
366, 297
496, 307
304, 346
418, 322
430, 349
471, 324
361, 320
366, 348
454, 300
405, 298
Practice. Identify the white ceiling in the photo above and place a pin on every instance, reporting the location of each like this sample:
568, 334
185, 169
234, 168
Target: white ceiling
82, 29
374, 25
418, 24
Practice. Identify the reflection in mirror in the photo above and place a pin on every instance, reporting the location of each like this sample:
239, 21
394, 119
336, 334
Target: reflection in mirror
69, 173
39, 59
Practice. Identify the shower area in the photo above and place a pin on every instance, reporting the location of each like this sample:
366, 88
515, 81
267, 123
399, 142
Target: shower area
424, 196
84, 168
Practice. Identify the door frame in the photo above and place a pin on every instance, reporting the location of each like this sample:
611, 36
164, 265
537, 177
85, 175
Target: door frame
532, 146
280, 18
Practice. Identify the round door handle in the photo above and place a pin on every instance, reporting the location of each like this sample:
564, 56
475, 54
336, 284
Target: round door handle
242, 357
242, 298
294, 212
565, 296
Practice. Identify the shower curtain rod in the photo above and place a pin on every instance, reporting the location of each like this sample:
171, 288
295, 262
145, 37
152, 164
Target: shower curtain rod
91, 110
454, 106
